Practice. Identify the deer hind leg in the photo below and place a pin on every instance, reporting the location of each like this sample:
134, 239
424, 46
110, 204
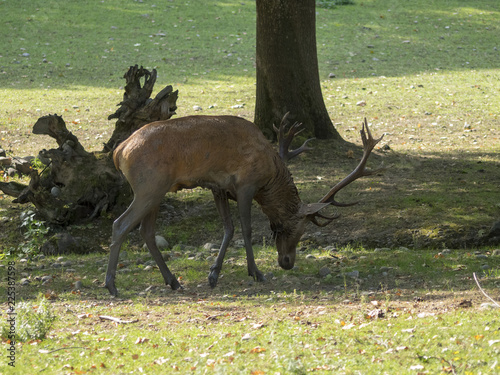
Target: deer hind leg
121, 227
245, 197
148, 234
222, 204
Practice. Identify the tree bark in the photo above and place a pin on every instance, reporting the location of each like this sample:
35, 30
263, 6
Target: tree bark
287, 68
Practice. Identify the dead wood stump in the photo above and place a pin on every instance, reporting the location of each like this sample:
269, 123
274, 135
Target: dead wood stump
77, 185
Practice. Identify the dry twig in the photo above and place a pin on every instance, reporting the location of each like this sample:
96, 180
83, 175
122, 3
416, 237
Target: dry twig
481, 289
117, 320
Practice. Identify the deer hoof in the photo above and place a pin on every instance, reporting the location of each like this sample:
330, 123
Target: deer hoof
175, 284
258, 276
212, 278
112, 289
109, 284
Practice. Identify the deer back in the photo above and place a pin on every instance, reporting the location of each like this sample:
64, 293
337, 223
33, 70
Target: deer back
209, 151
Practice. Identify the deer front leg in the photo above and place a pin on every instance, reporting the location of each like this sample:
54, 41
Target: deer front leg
222, 204
112, 264
148, 234
121, 227
244, 208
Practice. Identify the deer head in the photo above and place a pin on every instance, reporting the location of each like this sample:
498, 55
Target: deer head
288, 232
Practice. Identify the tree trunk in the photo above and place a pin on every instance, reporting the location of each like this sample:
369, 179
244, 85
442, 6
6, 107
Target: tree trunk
287, 68
76, 185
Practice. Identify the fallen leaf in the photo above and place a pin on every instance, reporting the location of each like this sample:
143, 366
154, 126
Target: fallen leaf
375, 314
257, 349
117, 320
257, 325
349, 326
51, 295
465, 303
211, 362
449, 369
409, 330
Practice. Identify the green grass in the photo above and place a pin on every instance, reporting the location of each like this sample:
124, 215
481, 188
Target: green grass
294, 340
415, 317
207, 52
429, 76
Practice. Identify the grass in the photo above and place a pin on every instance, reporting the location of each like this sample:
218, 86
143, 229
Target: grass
237, 340
425, 75
420, 315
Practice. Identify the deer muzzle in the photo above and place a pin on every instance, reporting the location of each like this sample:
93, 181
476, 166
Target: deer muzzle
286, 261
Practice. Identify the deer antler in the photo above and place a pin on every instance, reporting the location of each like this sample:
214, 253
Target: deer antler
368, 144
284, 141
328, 219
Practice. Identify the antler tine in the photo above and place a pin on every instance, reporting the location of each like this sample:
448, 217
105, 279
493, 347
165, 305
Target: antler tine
281, 131
368, 144
284, 141
328, 219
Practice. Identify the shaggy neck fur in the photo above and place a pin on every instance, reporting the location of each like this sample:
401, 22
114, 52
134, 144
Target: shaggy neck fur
279, 199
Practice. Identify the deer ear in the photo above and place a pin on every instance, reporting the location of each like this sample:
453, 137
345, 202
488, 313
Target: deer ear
312, 208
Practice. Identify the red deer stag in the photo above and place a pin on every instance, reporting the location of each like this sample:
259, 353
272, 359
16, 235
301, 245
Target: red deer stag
230, 156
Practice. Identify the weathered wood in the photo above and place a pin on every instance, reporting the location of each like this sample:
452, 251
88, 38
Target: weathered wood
137, 108
73, 187
14, 189
77, 185
55, 127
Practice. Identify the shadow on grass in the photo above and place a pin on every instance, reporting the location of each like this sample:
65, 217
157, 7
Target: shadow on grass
390, 275
430, 200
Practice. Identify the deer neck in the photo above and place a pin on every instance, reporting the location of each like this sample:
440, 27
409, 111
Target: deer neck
279, 199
